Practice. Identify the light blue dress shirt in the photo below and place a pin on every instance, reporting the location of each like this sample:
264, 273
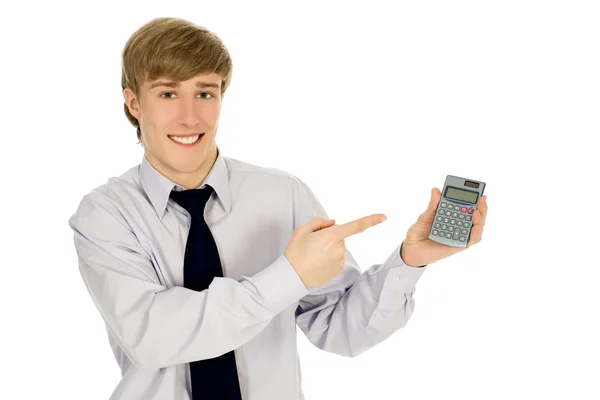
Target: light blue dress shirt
130, 240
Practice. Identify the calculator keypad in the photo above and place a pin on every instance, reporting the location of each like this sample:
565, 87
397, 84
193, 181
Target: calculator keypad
453, 221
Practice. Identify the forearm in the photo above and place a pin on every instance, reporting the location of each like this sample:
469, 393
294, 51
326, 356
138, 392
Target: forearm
157, 328
356, 311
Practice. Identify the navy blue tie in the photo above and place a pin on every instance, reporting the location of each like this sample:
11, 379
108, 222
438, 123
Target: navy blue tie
213, 378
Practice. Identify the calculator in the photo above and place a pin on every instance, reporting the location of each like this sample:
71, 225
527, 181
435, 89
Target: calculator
454, 214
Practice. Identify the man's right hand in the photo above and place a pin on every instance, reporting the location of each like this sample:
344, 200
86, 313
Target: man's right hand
317, 250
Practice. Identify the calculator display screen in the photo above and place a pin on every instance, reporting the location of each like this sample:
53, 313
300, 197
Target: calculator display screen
462, 195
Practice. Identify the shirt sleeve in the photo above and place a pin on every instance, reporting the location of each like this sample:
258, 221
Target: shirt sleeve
158, 327
355, 310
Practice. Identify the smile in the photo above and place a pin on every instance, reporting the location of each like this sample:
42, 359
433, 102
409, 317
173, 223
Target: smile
187, 140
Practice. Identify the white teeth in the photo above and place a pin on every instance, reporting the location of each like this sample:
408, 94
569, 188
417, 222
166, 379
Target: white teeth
185, 140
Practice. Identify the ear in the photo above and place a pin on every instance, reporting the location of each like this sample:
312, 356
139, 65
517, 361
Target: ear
131, 102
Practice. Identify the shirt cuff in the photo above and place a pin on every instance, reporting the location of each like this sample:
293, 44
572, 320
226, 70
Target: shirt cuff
401, 277
279, 285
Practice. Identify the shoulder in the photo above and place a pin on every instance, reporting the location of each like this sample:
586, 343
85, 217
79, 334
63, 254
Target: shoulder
261, 174
107, 202
101, 223
277, 185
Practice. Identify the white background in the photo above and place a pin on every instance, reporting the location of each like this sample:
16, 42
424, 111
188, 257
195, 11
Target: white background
372, 104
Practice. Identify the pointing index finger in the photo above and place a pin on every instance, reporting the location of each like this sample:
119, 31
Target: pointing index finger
359, 225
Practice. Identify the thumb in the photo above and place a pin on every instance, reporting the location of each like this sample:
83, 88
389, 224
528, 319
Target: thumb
426, 215
435, 199
317, 223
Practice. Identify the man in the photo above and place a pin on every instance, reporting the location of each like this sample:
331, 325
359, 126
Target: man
202, 265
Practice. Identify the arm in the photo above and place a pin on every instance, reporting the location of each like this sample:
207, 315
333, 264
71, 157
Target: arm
157, 327
354, 311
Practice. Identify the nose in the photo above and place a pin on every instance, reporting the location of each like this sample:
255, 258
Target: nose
188, 114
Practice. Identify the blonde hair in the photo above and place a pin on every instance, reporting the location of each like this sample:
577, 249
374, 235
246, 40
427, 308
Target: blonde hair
173, 48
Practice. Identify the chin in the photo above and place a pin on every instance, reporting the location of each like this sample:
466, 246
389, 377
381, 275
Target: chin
186, 167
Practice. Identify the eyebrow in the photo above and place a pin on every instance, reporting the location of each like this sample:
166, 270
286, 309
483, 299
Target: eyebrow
173, 84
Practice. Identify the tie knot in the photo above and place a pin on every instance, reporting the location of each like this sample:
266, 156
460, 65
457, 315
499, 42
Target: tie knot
193, 200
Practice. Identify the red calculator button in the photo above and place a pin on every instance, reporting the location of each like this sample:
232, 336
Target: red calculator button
470, 211
463, 209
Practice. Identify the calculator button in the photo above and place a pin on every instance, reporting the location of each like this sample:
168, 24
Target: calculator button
455, 236
448, 213
441, 212
435, 232
462, 239
461, 216
446, 220
468, 218
455, 215
437, 225
463, 209
448, 235
442, 234
450, 229
444, 227
453, 221
467, 224
444, 205
470, 211
438, 218
459, 223
464, 231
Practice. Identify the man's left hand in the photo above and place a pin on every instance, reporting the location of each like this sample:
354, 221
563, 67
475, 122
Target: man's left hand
418, 250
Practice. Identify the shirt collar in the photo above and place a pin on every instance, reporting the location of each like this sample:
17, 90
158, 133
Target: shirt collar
158, 187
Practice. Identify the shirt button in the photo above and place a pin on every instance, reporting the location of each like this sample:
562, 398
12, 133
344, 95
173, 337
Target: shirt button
378, 314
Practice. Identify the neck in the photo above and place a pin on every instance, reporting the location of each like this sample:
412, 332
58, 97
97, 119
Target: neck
187, 180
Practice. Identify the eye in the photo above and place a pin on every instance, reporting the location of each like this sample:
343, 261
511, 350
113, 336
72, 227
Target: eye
162, 95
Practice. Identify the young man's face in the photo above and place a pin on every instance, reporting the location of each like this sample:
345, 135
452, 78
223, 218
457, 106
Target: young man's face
172, 115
